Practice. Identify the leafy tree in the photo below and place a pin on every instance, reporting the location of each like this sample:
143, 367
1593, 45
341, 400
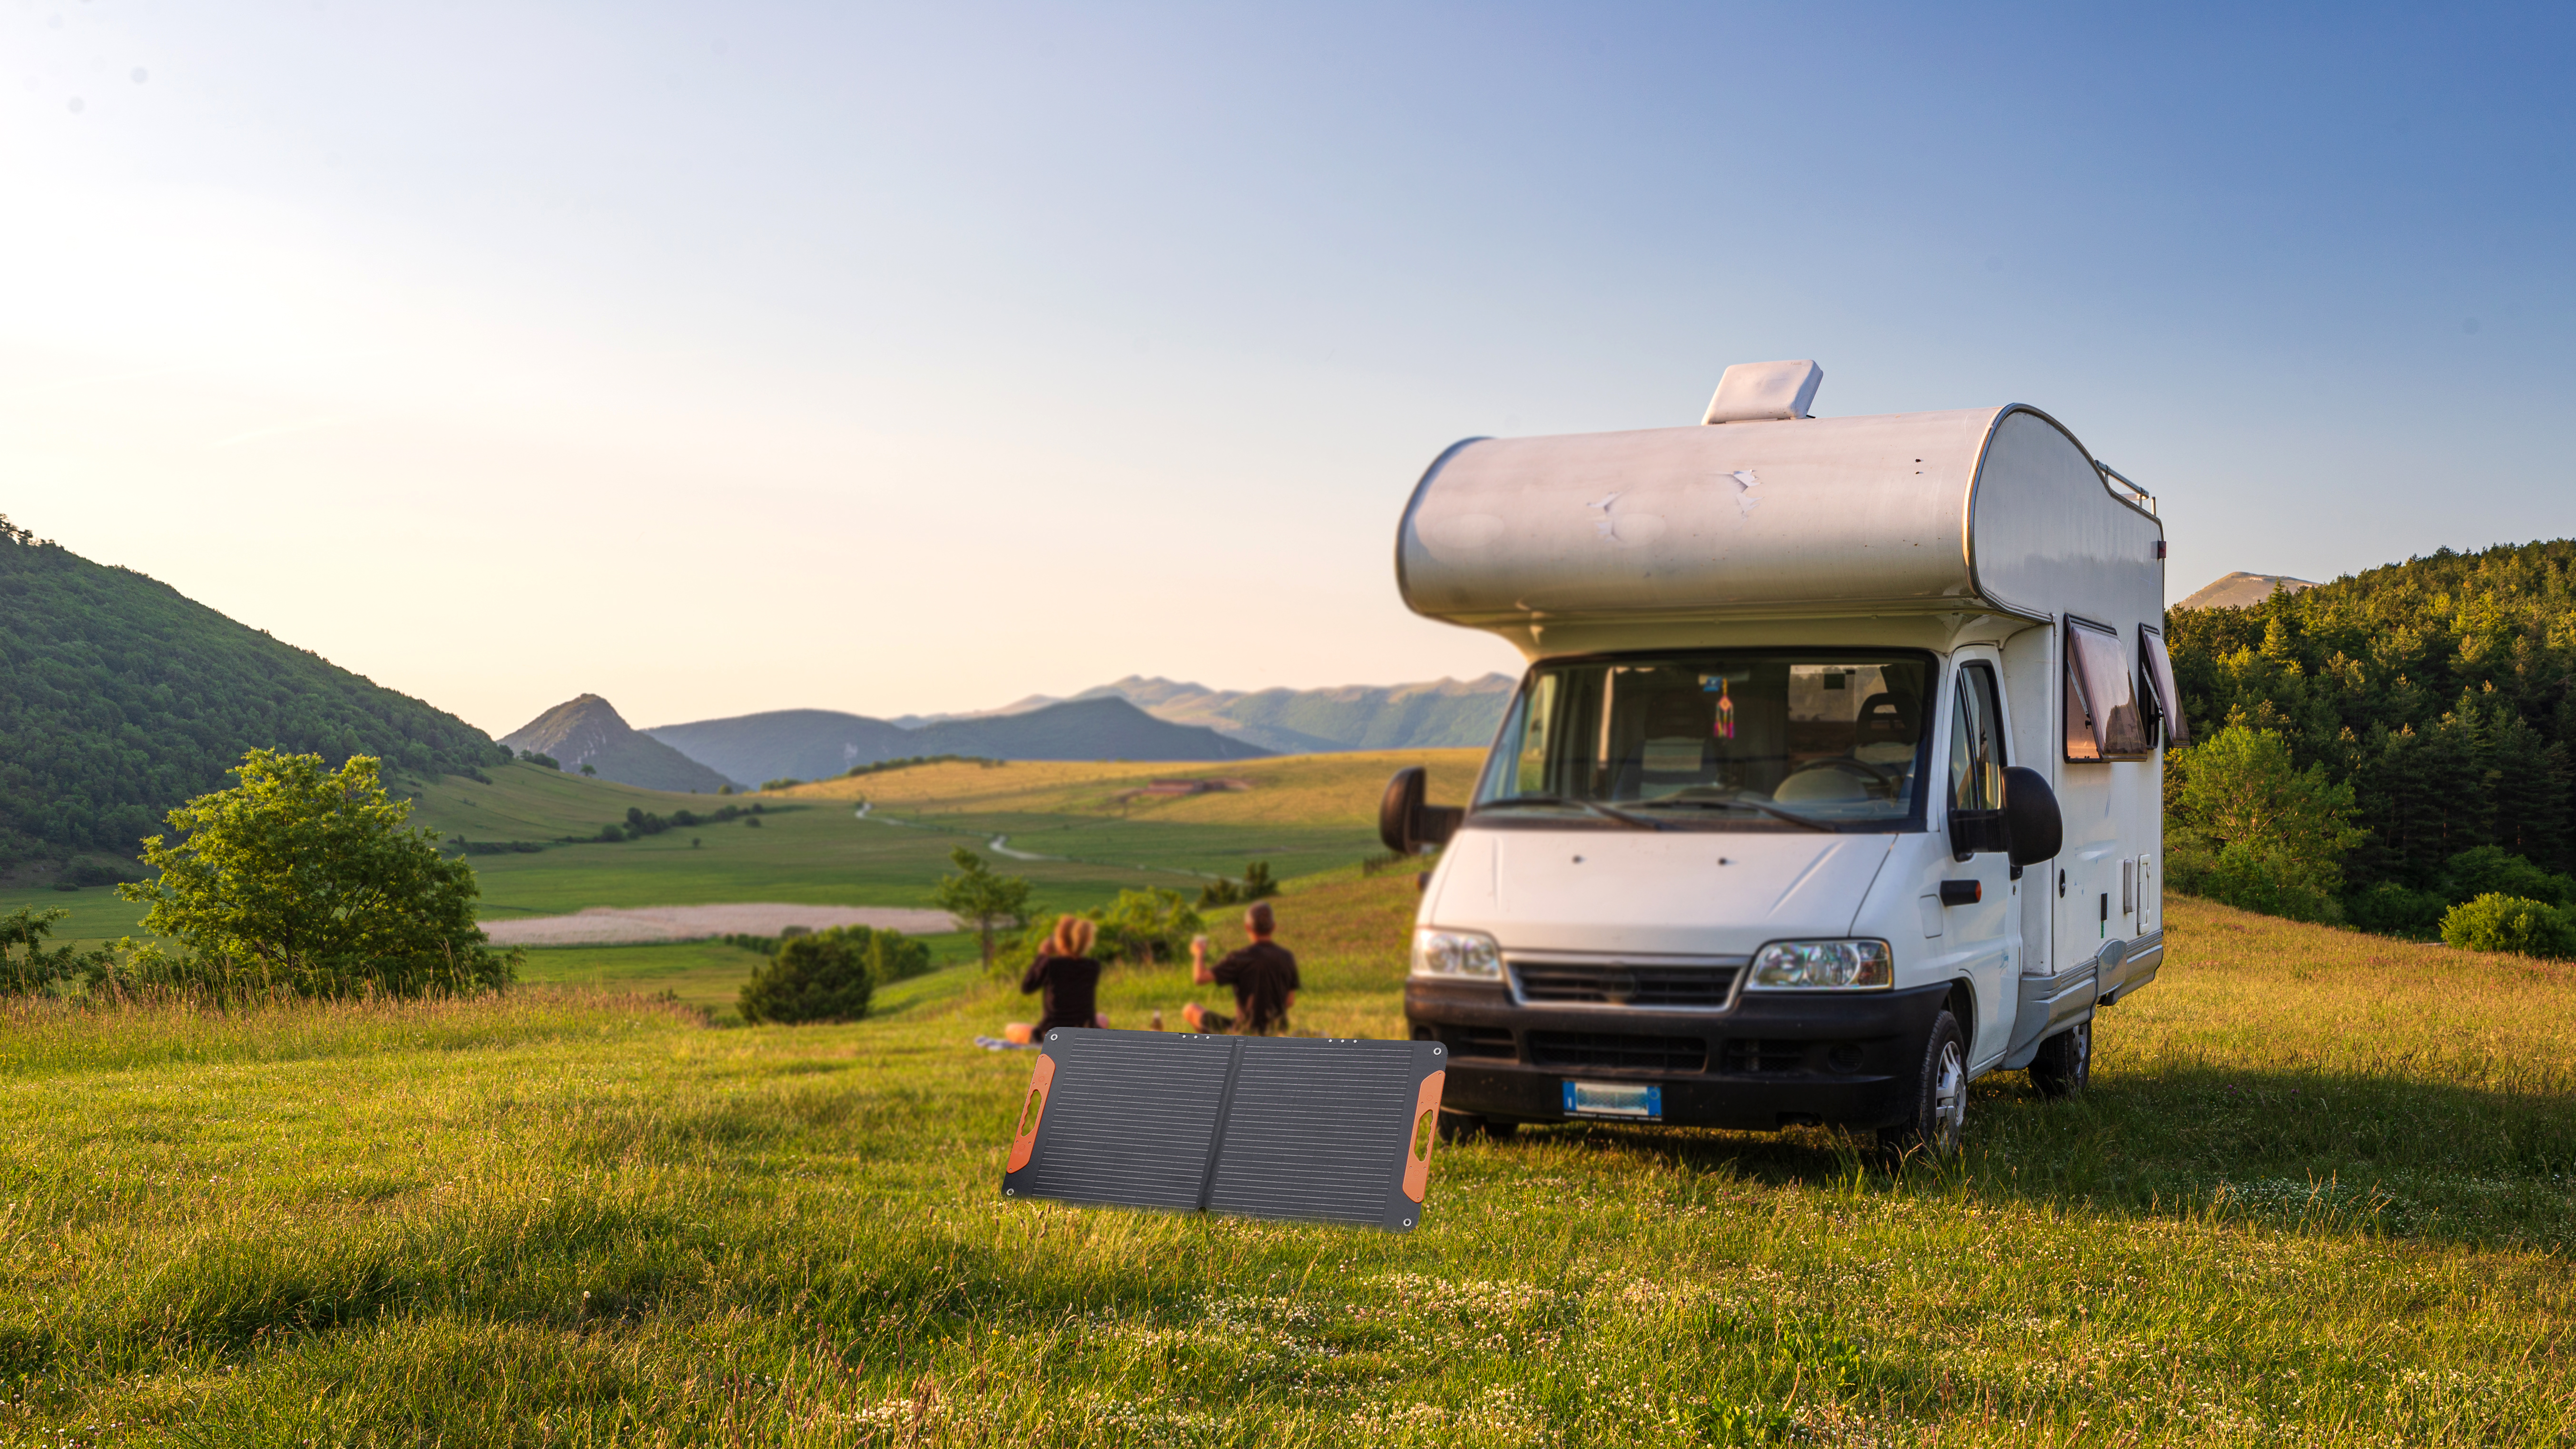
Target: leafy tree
2493, 870
2396, 910
2257, 830
589, 770
305, 879
981, 901
823, 976
26, 967
2443, 689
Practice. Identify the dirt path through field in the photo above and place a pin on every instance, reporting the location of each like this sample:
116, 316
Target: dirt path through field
612, 926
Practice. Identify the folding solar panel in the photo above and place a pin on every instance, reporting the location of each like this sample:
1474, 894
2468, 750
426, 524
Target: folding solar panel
1310, 1129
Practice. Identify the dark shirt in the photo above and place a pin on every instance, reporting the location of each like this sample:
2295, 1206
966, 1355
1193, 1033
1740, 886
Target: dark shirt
1070, 983
1262, 974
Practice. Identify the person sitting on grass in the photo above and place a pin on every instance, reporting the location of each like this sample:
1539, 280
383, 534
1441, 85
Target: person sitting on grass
1263, 975
1065, 971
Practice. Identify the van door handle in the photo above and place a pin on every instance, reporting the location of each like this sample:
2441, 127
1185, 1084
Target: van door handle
1962, 892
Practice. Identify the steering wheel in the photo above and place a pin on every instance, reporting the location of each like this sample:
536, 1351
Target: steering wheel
1886, 779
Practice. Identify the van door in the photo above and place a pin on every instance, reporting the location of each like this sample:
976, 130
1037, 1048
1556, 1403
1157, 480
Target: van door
1981, 906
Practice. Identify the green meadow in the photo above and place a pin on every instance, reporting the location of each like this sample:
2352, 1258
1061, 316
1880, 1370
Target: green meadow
1097, 836
2317, 1195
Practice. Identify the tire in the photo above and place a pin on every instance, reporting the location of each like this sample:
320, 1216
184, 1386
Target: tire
1940, 1105
1460, 1126
2065, 1062
1467, 1127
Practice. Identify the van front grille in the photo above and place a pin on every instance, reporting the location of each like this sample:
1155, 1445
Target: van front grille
1624, 983
1479, 1041
1609, 1049
1742, 1055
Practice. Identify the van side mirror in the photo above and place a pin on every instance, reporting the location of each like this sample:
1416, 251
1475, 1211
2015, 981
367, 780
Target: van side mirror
1405, 823
2031, 820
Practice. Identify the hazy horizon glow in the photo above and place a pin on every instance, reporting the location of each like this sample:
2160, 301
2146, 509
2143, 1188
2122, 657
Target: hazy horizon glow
910, 361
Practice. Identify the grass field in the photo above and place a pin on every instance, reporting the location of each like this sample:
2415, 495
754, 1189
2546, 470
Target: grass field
1304, 815
2319, 1194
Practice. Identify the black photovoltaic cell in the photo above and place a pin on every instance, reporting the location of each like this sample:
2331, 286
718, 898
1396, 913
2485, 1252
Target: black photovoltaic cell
1136, 1128
1305, 1129
1309, 1133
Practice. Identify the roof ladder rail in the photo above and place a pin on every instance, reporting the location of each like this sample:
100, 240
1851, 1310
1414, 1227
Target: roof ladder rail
2145, 498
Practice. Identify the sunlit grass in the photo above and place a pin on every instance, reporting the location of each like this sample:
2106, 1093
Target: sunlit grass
2318, 1195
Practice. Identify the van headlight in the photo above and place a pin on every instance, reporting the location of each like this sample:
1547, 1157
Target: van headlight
1471, 954
1817, 966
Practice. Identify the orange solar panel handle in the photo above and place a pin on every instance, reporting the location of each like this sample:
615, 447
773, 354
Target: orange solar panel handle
1032, 1112
1426, 1108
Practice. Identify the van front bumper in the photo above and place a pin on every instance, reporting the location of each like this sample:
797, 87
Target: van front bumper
1772, 1060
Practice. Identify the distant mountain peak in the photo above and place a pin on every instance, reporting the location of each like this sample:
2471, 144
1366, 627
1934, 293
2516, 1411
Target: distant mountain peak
587, 730
2241, 590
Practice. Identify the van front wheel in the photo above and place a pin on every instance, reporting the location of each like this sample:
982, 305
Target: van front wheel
2065, 1062
1940, 1100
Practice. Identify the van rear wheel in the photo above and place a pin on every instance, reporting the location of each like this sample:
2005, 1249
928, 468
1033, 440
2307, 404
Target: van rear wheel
2065, 1062
1940, 1115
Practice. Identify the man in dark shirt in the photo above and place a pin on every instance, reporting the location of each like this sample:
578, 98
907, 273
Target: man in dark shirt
1263, 975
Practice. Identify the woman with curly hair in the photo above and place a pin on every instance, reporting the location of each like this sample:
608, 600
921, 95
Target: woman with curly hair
1065, 971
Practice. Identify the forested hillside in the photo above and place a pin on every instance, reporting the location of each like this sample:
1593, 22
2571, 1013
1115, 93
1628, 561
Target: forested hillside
119, 699
2438, 689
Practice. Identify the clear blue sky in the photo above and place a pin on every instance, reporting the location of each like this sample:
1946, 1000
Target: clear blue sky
916, 358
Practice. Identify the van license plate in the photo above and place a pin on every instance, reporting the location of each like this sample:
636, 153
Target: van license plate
1613, 1099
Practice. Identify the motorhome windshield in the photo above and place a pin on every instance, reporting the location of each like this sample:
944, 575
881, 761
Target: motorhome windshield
1737, 740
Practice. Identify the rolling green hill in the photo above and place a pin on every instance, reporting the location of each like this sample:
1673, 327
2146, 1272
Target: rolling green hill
1444, 714
119, 698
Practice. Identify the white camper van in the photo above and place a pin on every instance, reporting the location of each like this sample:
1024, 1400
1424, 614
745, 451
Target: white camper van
1834, 781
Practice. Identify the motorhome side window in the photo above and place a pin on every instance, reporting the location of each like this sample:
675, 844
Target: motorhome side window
2103, 721
1726, 741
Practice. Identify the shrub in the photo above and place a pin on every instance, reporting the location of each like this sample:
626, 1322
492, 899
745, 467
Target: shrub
788, 782
2510, 923
1256, 885
1146, 926
818, 977
891, 955
2395, 910
2257, 877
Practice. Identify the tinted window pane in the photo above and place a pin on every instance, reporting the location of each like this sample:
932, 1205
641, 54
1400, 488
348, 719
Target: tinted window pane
2102, 717
2160, 679
1976, 744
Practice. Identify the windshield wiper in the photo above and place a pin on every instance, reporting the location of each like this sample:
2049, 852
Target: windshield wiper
1774, 811
1592, 807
